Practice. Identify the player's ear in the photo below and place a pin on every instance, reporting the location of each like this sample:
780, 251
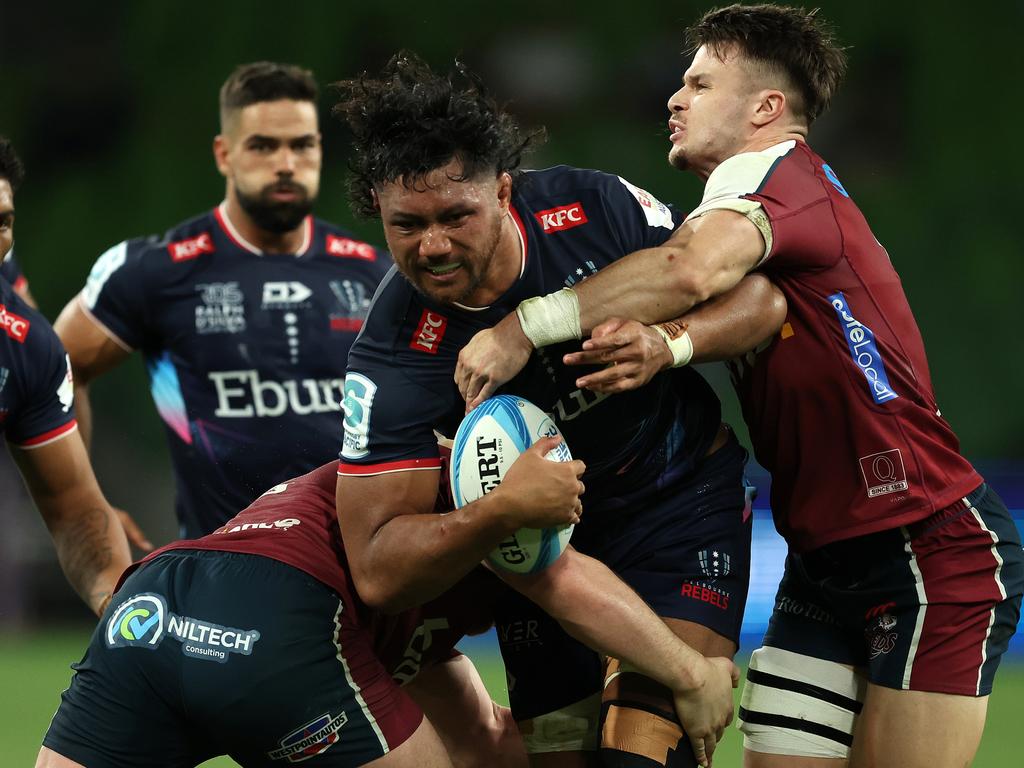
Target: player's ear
770, 105
220, 153
504, 191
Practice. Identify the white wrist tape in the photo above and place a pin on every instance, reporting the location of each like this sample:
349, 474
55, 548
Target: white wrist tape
681, 346
551, 319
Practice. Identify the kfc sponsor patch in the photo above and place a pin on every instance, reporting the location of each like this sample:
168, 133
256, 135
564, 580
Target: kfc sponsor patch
347, 248
191, 248
429, 333
15, 326
562, 218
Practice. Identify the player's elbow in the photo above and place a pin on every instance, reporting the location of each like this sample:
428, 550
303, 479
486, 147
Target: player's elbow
379, 591
775, 306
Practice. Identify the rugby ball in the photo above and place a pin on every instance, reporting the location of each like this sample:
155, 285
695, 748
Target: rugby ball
488, 441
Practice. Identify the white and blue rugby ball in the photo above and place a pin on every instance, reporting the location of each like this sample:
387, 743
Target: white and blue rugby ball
488, 441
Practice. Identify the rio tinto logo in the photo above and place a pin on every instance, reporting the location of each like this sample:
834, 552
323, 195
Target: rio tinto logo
564, 217
14, 325
430, 331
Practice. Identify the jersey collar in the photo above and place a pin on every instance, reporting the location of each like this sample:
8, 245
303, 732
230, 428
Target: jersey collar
221, 214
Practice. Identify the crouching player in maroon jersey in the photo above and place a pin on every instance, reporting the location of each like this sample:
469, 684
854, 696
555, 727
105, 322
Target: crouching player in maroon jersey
905, 572
253, 642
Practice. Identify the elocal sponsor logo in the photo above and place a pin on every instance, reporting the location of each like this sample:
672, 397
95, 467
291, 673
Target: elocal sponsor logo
429, 333
562, 218
863, 350
191, 248
15, 326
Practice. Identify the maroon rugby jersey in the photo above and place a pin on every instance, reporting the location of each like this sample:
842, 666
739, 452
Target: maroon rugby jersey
840, 405
295, 523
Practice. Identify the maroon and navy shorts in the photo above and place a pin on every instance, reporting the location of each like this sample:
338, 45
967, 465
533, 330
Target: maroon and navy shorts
925, 607
205, 653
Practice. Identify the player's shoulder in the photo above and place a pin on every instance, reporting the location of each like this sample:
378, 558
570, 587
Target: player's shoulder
182, 242
562, 179
394, 301
26, 331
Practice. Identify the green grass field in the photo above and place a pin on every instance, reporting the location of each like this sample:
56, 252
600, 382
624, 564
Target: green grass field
34, 670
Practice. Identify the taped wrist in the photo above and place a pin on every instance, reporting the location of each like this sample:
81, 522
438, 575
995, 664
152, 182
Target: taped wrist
679, 342
551, 319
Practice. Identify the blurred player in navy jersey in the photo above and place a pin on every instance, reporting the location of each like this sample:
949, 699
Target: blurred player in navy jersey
243, 314
10, 271
252, 642
904, 577
665, 505
9, 268
37, 417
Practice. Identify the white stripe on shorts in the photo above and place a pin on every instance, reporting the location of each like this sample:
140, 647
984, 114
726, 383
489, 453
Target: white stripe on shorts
922, 600
355, 687
999, 584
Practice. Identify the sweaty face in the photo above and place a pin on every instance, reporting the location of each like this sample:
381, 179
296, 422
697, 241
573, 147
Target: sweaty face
444, 234
6, 217
708, 115
273, 162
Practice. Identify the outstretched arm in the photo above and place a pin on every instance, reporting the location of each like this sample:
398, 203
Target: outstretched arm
705, 257
90, 542
721, 328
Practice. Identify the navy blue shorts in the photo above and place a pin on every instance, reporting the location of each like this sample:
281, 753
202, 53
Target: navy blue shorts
926, 607
208, 653
699, 572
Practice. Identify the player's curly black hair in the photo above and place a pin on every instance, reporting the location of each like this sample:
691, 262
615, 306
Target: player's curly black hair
409, 120
10, 164
796, 42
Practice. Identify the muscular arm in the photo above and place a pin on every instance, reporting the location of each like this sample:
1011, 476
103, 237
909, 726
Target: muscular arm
403, 554
704, 257
90, 542
92, 353
721, 328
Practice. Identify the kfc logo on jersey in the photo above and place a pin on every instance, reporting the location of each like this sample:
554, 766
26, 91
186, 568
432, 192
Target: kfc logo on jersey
562, 218
183, 250
284, 295
15, 326
884, 473
347, 248
428, 334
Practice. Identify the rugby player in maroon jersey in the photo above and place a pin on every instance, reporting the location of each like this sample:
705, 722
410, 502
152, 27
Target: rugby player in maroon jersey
281, 661
904, 576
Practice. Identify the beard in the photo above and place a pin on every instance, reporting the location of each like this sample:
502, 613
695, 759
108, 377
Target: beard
677, 159
477, 266
275, 215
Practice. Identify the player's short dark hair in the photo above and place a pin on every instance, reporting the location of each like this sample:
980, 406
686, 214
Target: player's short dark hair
265, 81
409, 121
10, 164
792, 40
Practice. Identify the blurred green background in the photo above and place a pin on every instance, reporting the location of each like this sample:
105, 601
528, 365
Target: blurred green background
113, 109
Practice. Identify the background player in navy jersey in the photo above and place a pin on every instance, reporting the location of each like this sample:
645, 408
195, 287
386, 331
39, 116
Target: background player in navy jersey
37, 418
665, 500
244, 314
252, 642
903, 583
9, 268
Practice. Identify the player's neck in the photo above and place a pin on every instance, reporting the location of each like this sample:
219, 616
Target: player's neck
259, 238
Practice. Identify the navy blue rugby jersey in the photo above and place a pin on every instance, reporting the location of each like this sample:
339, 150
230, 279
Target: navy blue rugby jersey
245, 351
36, 393
11, 271
399, 389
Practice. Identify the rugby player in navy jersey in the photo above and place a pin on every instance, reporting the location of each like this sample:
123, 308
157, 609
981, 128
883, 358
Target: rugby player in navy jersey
904, 576
37, 418
243, 314
9, 269
253, 642
665, 505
